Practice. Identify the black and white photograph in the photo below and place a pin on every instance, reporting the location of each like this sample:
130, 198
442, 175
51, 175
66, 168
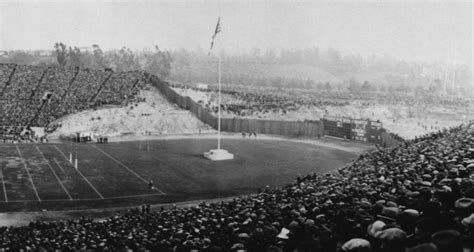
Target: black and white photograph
237, 125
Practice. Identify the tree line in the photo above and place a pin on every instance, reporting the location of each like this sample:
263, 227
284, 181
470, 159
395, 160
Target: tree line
326, 70
154, 60
309, 68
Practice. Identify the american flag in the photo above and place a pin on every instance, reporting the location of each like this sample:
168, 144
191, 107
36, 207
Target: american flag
218, 29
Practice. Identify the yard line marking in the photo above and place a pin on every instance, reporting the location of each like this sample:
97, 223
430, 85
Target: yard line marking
90, 184
28, 172
126, 167
62, 153
56, 161
80, 173
51, 168
4, 188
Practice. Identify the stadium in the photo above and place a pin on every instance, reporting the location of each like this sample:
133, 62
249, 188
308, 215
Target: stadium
66, 171
300, 151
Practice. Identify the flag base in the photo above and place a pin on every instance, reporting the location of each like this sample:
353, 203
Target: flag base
218, 154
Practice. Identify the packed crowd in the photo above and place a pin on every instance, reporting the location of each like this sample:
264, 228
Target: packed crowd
244, 103
255, 102
418, 196
16, 134
36, 96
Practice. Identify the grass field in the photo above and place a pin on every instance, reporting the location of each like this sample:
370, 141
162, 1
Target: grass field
39, 176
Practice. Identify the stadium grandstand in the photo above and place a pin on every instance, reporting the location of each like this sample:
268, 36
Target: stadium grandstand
417, 196
36, 96
33, 96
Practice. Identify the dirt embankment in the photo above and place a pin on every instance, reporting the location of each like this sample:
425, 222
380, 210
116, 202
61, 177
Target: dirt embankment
155, 115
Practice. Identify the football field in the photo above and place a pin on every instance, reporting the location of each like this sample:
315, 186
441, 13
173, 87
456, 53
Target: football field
39, 176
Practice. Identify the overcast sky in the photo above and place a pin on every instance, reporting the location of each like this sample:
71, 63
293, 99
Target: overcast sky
432, 30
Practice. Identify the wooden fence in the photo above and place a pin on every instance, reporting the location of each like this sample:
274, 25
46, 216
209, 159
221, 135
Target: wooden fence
284, 128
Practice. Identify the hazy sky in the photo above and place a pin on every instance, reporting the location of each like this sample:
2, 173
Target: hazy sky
432, 30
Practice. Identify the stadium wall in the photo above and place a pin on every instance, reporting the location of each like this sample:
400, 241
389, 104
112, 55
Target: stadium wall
285, 128
371, 133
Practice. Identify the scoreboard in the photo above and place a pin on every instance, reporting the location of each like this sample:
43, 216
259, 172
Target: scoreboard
355, 129
338, 127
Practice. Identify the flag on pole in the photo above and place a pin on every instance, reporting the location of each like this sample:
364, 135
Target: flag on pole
218, 29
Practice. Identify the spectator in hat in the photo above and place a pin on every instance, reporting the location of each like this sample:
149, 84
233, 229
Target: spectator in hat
464, 206
356, 245
389, 215
447, 241
392, 240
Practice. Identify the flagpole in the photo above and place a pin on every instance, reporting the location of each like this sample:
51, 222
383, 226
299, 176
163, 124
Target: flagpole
218, 154
219, 109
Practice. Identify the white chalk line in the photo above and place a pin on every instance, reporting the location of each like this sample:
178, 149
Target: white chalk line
60, 167
4, 188
82, 175
54, 173
128, 169
28, 172
90, 184
62, 153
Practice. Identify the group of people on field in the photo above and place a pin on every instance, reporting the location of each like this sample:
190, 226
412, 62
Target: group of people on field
249, 134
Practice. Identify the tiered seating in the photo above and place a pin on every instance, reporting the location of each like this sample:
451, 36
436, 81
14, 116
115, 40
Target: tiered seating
35, 96
419, 195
